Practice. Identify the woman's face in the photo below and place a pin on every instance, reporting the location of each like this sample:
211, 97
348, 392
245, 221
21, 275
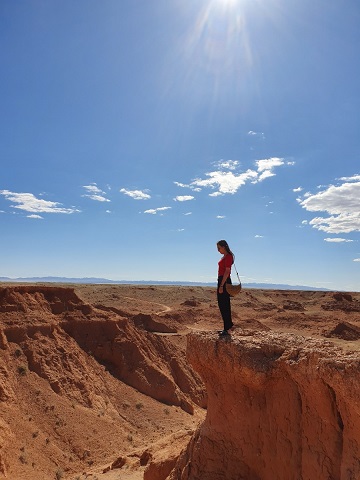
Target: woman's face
221, 249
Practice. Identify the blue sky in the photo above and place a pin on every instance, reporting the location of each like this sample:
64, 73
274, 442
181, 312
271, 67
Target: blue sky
135, 134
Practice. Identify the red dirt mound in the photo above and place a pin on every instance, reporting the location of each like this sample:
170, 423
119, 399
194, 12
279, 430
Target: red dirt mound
345, 331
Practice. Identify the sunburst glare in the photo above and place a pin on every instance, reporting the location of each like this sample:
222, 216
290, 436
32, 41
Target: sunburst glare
218, 44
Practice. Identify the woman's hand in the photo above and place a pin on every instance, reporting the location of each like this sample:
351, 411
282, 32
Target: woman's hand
221, 289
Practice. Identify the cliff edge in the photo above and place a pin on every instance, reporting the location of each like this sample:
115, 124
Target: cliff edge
280, 407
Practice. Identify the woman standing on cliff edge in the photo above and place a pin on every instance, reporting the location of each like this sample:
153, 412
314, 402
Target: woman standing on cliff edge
224, 272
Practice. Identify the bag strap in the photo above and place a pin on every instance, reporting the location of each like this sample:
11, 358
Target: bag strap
237, 273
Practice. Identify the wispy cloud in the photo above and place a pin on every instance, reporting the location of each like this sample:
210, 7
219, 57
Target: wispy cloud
266, 167
356, 260
188, 213
259, 236
190, 186
261, 135
154, 211
354, 178
298, 189
183, 198
220, 216
95, 193
337, 240
229, 164
35, 216
341, 202
135, 194
29, 203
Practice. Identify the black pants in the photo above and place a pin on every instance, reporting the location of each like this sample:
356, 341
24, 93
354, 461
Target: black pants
224, 304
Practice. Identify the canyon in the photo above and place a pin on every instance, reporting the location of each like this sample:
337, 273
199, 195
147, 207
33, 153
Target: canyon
125, 381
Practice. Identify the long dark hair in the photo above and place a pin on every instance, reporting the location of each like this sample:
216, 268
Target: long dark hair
224, 244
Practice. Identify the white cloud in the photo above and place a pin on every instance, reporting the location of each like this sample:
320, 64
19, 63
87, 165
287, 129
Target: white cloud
188, 213
181, 229
256, 134
226, 180
269, 163
35, 216
93, 188
95, 193
98, 198
191, 187
266, 166
341, 202
337, 240
229, 164
154, 211
183, 198
29, 203
356, 260
136, 194
259, 236
108, 211
220, 216
264, 175
354, 178
298, 189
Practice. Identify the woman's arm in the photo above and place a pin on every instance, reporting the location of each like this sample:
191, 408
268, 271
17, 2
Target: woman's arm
225, 277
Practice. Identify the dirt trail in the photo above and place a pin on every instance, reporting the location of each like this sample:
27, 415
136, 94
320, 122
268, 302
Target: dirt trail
166, 308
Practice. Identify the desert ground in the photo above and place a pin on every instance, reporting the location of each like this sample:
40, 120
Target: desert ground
78, 401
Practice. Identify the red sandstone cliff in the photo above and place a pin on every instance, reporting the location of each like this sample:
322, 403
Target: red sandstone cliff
280, 407
77, 382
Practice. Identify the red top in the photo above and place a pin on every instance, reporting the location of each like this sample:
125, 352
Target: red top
225, 263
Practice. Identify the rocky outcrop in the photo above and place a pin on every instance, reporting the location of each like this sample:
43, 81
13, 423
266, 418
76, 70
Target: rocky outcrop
49, 324
342, 301
280, 407
76, 380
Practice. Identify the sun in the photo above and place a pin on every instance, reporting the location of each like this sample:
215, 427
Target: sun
228, 3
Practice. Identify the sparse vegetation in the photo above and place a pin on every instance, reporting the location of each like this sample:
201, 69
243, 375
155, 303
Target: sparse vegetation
60, 422
22, 370
59, 474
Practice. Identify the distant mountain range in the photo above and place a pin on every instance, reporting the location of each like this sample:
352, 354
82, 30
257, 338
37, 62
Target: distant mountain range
94, 280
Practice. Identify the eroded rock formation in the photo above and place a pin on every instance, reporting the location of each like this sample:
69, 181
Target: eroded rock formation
280, 407
67, 368
50, 323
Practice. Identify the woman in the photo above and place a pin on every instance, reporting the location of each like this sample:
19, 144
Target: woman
223, 297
